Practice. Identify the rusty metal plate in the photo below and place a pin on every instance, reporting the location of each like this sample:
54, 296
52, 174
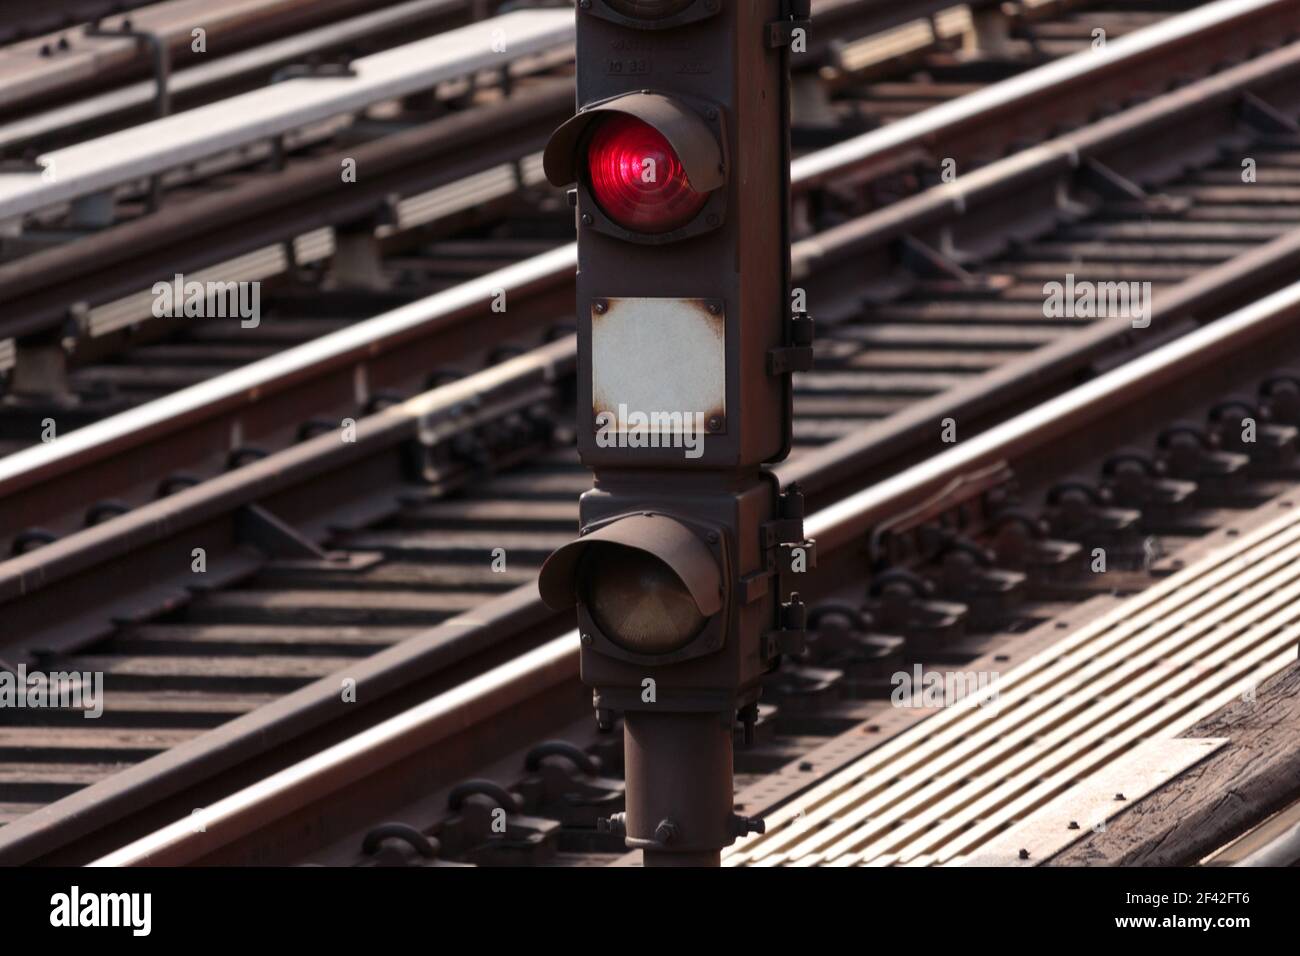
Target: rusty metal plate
659, 365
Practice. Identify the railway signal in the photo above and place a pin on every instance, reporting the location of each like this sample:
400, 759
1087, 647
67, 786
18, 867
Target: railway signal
678, 163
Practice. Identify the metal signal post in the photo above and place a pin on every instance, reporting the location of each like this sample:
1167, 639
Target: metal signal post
678, 159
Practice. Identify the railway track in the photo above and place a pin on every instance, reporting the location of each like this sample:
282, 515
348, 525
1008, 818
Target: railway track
32, 18
61, 51
103, 360
1271, 843
853, 37
981, 560
901, 260
296, 543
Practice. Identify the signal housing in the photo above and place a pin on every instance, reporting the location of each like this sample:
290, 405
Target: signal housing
684, 353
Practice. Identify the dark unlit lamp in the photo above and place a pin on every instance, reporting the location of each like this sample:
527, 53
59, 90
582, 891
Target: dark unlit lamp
637, 601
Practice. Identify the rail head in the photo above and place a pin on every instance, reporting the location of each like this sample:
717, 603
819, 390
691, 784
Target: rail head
836, 528
83, 169
97, 814
252, 383
1050, 81
478, 699
856, 515
299, 46
38, 311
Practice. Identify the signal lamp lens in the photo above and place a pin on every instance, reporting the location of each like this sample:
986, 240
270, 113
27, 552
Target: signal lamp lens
649, 9
637, 601
637, 178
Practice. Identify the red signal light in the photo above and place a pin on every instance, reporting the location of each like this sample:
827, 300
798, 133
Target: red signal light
638, 179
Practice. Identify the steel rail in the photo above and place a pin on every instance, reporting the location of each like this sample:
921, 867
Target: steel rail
1274, 841
837, 530
86, 168
94, 270
1236, 26
337, 371
848, 519
838, 21
150, 148
1047, 170
95, 109
40, 286
479, 699
33, 18
31, 481
1149, 56
151, 531
1282, 850
435, 662
86, 60
835, 20
278, 206
67, 592
841, 525
309, 486
1213, 103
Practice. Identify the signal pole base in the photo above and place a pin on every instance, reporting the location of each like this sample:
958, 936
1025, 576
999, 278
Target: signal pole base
679, 786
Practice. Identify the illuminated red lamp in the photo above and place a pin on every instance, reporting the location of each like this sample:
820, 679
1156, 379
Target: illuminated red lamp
637, 178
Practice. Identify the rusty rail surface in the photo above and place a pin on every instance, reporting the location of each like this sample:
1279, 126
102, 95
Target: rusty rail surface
321, 377
281, 479
967, 129
1163, 379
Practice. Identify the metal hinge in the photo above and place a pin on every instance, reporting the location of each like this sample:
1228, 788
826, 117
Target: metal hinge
789, 637
780, 33
797, 356
788, 527
786, 533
